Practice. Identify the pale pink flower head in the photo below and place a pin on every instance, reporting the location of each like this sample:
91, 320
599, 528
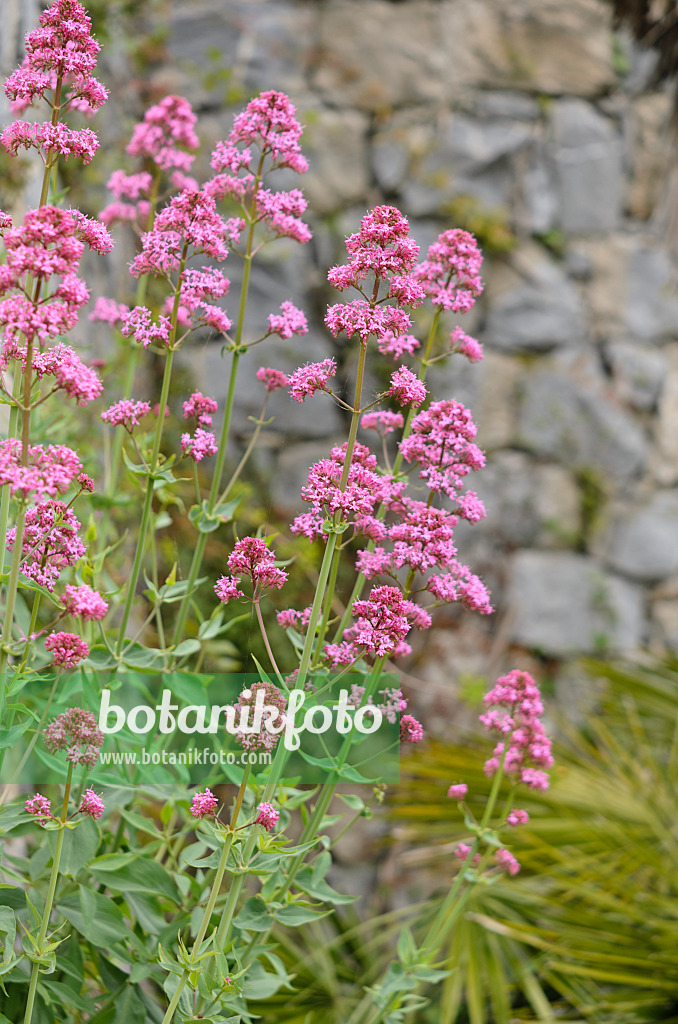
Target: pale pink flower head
289, 321
406, 388
75, 731
267, 816
84, 602
166, 126
383, 422
382, 248
267, 696
458, 791
514, 710
227, 589
451, 272
517, 817
40, 807
50, 471
91, 804
126, 413
67, 649
466, 345
204, 805
272, 379
507, 862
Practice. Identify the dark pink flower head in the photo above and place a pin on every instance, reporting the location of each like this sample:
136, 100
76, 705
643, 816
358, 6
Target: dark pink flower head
362, 318
254, 735
272, 379
253, 558
267, 816
382, 621
50, 542
517, 817
514, 712
281, 212
85, 603
201, 407
91, 804
61, 47
410, 730
406, 388
382, 248
69, 373
51, 140
40, 807
451, 272
268, 122
166, 126
200, 445
466, 345
67, 649
204, 805
75, 731
460, 584
441, 443
190, 220
311, 378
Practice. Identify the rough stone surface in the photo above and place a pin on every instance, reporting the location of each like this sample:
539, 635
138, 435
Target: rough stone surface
638, 372
587, 152
642, 541
542, 311
562, 420
564, 604
652, 304
665, 451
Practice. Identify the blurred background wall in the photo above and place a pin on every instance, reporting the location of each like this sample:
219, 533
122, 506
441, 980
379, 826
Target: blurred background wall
534, 124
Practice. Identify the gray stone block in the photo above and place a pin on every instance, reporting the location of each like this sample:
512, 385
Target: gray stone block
542, 313
587, 152
642, 542
578, 427
565, 604
638, 372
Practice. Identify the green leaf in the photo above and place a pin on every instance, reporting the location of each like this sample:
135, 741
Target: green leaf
79, 847
129, 1008
130, 872
295, 915
191, 646
95, 916
254, 916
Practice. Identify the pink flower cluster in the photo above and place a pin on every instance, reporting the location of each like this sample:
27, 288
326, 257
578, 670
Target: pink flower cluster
67, 649
363, 491
204, 805
189, 225
49, 471
84, 602
47, 246
50, 542
264, 694
200, 445
272, 379
139, 322
76, 732
253, 558
514, 711
40, 807
166, 126
61, 53
267, 816
289, 321
313, 377
91, 804
450, 275
126, 413
201, 407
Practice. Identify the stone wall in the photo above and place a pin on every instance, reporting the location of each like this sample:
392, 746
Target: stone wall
528, 121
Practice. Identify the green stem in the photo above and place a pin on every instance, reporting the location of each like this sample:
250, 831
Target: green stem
209, 909
53, 879
148, 507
